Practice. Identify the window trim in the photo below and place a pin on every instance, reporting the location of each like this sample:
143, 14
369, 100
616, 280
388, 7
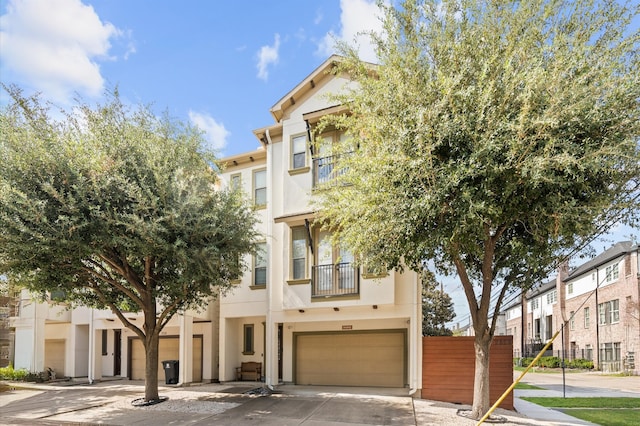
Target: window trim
232, 185
304, 168
292, 276
248, 331
254, 267
254, 188
587, 317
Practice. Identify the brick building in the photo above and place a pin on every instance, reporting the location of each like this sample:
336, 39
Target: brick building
598, 301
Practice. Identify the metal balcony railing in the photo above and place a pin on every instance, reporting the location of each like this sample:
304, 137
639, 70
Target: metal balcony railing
337, 279
325, 170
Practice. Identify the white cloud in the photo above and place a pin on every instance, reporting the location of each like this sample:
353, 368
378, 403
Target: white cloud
356, 16
215, 132
266, 56
54, 46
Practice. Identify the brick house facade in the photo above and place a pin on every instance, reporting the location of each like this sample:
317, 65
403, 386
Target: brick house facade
599, 303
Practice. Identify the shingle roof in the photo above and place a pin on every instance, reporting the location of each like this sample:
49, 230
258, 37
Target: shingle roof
541, 289
617, 250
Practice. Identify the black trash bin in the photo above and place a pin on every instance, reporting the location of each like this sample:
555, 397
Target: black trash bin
171, 371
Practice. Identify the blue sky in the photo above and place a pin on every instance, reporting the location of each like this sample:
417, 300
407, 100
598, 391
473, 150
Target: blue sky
219, 64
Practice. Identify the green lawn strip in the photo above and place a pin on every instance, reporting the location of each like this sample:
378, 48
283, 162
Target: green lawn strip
523, 385
608, 416
596, 402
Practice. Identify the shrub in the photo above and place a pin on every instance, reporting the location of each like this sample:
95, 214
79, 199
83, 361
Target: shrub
580, 363
9, 373
549, 362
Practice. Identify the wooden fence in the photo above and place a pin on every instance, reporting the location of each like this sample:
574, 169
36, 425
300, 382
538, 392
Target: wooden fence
448, 366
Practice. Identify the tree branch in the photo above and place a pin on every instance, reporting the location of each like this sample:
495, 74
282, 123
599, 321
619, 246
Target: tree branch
115, 284
117, 312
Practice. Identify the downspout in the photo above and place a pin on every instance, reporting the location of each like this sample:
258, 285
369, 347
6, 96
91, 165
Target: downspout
92, 350
415, 325
597, 318
35, 334
268, 349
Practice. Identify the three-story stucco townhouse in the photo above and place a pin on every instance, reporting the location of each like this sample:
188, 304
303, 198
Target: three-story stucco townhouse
85, 342
305, 311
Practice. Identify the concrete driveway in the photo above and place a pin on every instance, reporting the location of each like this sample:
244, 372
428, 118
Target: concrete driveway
109, 403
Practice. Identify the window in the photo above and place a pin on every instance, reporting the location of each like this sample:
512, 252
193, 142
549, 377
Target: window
570, 288
58, 296
572, 323
104, 342
548, 332
260, 188
299, 253
247, 348
323, 162
552, 297
535, 304
588, 352
236, 181
537, 328
299, 151
609, 352
608, 312
587, 318
260, 265
612, 273
334, 271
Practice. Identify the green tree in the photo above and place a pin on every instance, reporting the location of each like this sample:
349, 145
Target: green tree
492, 136
119, 209
437, 307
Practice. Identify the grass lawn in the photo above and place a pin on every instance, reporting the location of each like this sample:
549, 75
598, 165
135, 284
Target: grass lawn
522, 385
603, 411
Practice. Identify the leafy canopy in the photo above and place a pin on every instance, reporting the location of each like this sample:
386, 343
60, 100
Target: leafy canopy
491, 136
117, 207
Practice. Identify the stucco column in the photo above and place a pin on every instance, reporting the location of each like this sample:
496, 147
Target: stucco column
185, 368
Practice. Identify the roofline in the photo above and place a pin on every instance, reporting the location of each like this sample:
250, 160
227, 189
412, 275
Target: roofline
245, 157
571, 276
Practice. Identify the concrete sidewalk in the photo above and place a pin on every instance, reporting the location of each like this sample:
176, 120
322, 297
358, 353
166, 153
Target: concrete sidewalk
109, 403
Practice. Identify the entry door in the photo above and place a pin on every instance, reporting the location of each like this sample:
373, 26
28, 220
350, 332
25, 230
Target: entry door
117, 352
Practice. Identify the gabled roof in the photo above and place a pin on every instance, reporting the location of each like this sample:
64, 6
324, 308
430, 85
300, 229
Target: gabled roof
616, 250
541, 289
512, 304
309, 83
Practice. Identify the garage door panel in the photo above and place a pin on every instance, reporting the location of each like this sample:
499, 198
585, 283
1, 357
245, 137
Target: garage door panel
168, 349
351, 359
54, 356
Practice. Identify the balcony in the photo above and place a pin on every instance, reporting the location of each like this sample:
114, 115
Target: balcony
325, 170
339, 279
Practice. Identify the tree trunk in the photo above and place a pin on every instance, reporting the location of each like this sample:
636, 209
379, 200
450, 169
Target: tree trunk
151, 368
481, 400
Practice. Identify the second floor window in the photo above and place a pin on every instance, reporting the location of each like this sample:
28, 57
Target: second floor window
260, 265
608, 312
335, 272
587, 318
260, 188
572, 323
298, 253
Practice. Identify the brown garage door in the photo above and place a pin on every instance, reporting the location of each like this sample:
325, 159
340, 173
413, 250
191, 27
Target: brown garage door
54, 351
375, 358
168, 349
